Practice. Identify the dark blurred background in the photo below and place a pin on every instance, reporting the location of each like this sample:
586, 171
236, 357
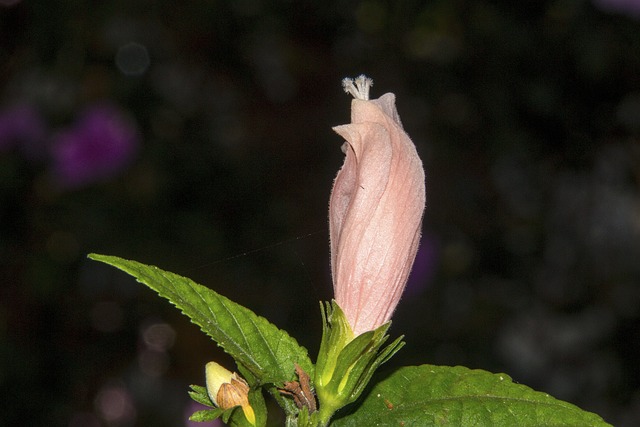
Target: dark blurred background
196, 136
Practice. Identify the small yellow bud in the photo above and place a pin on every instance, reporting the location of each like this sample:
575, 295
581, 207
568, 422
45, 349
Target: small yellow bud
227, 389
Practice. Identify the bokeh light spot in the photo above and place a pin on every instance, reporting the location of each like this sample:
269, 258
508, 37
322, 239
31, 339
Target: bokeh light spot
132, 59
84, 419
115, 404
159, 336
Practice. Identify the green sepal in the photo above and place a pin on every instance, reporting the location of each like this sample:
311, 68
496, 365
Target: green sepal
304, 418
206, 415
200, 395
256, 400
346, 364
336, 333
374, 363
234, 417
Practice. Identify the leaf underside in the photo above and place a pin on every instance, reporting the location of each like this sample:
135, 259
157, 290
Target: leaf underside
430, 395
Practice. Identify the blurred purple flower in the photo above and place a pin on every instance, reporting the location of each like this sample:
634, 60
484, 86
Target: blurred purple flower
627, 7
9, 3
425, 265
100, 144
22, 125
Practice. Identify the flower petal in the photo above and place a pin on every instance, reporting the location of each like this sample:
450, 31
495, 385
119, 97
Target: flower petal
375, 214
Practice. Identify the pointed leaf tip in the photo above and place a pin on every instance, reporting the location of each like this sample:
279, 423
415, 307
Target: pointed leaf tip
266, 351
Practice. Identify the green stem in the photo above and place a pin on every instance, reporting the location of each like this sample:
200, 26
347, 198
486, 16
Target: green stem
326, 412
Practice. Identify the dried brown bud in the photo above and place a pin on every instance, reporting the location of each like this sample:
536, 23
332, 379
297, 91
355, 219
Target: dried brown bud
301, 391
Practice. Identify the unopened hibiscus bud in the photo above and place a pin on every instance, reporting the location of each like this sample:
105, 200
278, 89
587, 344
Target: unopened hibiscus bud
375, 210
227, 389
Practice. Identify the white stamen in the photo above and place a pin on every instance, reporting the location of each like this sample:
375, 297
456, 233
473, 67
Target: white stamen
358, 87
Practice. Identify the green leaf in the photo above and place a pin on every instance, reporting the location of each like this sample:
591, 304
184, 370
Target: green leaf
265, 351
206, 415
430, 395
200, 395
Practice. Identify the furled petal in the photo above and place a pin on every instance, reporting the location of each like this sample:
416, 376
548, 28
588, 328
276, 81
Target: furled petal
375, 213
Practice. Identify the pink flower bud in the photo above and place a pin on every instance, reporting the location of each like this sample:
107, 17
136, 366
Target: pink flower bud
375, 210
